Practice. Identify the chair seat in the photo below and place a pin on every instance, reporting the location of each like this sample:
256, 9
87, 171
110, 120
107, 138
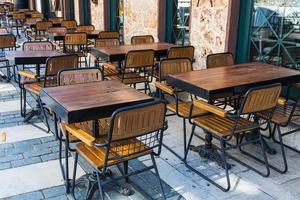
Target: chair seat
281, 114
96, 155
222, 127
184, 109
130, 78
110, 69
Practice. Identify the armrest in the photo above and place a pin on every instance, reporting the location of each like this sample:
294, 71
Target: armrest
110, 66
281, 101
27, 74
210, 108
80, 134
164, 88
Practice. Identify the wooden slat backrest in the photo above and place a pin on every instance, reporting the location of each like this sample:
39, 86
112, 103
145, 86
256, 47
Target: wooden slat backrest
261, 99
37, 46
181, 52
142, 39
109, 35
69, 24
43, 26
59, 30
219, 60
139, 59
106, 42
7, 41
79, 76
85, 28
75, 39
173, 66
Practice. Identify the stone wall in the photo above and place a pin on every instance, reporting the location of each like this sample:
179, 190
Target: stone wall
140, 18
208, 28
97, 15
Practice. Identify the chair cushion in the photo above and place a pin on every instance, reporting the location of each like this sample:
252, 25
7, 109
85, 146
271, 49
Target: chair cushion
222, 127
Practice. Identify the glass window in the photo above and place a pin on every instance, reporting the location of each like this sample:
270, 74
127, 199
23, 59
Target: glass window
275, 35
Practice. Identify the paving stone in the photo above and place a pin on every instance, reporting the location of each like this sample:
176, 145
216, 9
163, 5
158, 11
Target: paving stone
27, 142
54, 191
28, 161
11, 158
5, 166
28, 196
6, 146
52, 156
62, 197
19, 150
46, 145
36, 153
47, 139
2, 153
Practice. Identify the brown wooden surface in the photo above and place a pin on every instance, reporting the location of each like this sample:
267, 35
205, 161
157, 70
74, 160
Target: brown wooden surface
117, 53
213, 82
60, 36
31, 57
83, 102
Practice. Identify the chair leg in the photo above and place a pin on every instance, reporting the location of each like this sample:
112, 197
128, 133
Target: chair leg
67, 180
74, 174
224, 158
285, 145
157, 174
189, 143
21, 102
125, 164
101, 192
44, 114
184, 135
60, 160
24, 102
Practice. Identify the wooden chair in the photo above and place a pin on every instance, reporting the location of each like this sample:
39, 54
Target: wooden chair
142, 39
7, 43
37, 46
3, 30
37, 15
182, 52
18, 20
124, 142
27, 28
135, 64
176, 106
29, 82
56, 20
70, 77
83, 28
225, 126
286, 112
57, 30
76, 43
69, 24
2, 17
41, 30
109, 35
107, 68
222, 60
219, 60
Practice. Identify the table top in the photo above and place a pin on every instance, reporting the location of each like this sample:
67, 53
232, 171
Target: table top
118, 52
82, 102
59, 36
31, 57
211, 83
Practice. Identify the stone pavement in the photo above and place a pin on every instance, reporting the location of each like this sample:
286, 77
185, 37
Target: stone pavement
29, 166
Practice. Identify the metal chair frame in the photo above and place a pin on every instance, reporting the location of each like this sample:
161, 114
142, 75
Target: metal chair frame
101, 173
224, 141
3, 47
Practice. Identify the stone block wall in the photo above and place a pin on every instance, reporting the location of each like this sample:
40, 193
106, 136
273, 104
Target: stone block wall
141, 18
97, 15
208, 28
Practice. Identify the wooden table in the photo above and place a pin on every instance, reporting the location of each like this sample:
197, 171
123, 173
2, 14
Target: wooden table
118, 53
60, 36
83, 102
218, 82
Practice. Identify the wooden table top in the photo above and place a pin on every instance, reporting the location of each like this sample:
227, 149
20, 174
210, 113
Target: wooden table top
211, 83
117, 53
31, 57
60, 36
82, 102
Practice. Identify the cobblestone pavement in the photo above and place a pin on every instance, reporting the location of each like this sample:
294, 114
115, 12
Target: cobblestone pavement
29, 166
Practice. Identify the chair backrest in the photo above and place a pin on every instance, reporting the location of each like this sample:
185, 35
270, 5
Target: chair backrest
59, 30
18, 16
135, 130
37, 46
79, 76
85, 28
106, 42
182, 52
37, 15
139, 59
3, 30
57, 63
142, 39
32, 20
219, 60
7, 41
75, 39
2, 10
170, 66
56, 20
69, 24
261, 98
109, 35
43, 25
